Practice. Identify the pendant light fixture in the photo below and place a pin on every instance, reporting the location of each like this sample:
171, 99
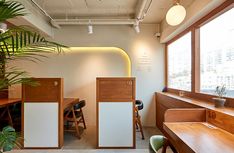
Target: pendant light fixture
176, 14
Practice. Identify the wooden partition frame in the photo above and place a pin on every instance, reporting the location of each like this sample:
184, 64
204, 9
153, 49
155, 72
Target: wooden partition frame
130, 99
48, 90
195, 61
192, 115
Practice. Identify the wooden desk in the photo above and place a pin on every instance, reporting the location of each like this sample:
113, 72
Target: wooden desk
9, 101
199, 137
6, 102
220, 117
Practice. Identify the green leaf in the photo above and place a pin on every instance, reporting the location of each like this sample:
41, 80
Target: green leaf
7, 147
8, 129
10, 9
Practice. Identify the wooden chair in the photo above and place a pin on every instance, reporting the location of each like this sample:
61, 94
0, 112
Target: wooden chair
74, 114
139, 106
156, 142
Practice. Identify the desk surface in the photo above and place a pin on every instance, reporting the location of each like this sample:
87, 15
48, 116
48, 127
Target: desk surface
9, 101
200, 137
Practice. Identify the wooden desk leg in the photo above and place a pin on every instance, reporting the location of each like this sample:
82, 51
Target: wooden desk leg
3, 113
76, 123
9, 116
138, 122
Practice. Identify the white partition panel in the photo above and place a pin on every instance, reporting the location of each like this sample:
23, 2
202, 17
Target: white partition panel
41, 124
115, 124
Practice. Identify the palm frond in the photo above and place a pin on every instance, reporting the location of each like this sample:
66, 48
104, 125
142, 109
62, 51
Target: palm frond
15, 76
22, 42
10, 9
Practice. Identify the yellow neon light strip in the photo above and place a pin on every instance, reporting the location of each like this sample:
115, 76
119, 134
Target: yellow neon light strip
107, 49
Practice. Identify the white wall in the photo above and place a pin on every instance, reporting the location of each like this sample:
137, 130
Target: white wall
144, 49
79, 68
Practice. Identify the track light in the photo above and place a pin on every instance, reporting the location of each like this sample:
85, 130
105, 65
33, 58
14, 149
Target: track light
90, 28
136, 28
3, 27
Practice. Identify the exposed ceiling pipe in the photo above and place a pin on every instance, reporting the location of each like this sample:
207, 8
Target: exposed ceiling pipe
142, 9
140, 13
96, 21
52, 22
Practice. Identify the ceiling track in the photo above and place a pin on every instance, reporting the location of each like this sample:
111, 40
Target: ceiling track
96, 21
140, 14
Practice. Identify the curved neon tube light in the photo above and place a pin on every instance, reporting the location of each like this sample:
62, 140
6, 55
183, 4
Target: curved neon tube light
106, 49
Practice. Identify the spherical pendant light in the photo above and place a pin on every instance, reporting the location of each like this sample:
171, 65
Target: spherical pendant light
175, 15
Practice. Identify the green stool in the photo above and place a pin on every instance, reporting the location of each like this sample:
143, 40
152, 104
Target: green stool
156, 142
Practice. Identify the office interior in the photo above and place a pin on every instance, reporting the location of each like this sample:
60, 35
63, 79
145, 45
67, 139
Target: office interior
144, 76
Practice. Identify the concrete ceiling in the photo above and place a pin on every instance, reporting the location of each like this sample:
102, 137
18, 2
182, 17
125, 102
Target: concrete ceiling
114, 9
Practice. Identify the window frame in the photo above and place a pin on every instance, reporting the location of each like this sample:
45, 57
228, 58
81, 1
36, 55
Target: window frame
195, 54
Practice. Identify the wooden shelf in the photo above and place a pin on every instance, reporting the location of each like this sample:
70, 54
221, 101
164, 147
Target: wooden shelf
200, 103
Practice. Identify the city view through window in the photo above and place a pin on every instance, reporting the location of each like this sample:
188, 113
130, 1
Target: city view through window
179, 63
217, 54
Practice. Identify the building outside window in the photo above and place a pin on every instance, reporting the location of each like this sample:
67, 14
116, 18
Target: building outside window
217, 54
179, 63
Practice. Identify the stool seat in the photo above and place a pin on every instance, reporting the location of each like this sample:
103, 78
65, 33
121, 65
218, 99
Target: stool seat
139, 104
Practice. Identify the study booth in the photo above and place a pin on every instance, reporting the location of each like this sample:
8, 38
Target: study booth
43, 108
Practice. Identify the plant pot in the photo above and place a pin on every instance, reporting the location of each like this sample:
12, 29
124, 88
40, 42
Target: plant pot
219, 102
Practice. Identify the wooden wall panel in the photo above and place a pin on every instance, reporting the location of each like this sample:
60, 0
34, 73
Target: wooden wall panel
185, 115
48, 90
221, 120
121, 89
163, 103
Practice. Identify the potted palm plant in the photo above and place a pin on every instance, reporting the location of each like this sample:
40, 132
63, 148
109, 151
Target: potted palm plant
23, 43
20, 42
220, 92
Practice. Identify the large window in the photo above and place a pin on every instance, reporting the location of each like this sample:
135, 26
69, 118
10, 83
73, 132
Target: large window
179, 63
217, 54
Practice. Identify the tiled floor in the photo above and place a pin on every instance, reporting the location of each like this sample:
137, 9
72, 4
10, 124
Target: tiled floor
88, 142
84, 151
